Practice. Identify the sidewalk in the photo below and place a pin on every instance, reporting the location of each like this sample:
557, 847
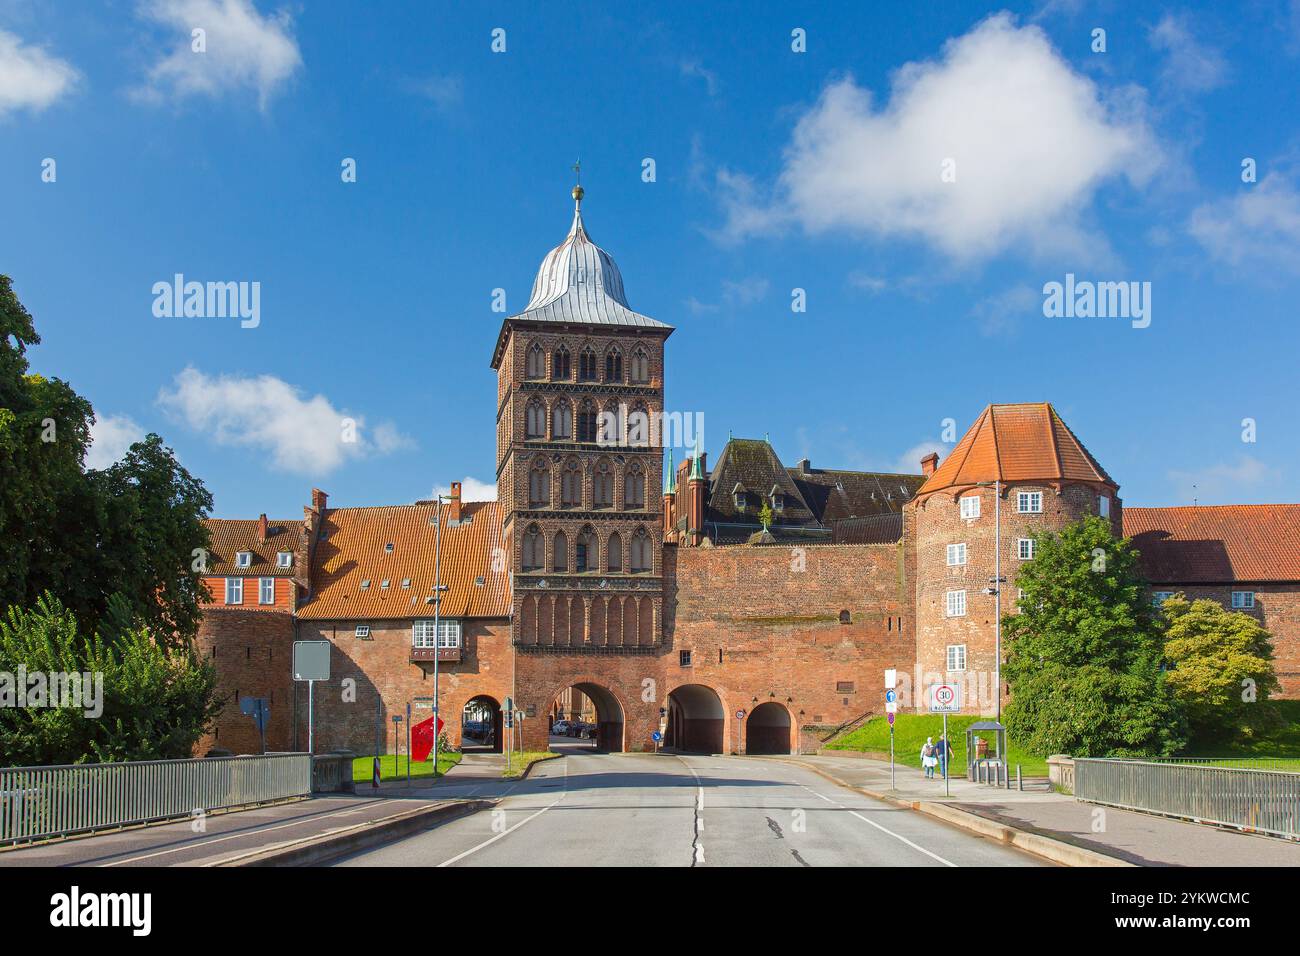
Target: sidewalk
1139, 838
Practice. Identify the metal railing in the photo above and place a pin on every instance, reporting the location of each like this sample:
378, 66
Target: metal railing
41, 802
1262, 801
1286, 764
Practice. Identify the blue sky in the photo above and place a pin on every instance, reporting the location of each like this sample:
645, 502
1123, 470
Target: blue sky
775, 170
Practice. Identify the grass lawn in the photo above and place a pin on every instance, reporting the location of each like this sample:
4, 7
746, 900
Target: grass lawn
391, 766
519, 762
911, 730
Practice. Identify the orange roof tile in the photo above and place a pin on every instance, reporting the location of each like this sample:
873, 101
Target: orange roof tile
1216, 544
229, 537
1016, 443
354, 550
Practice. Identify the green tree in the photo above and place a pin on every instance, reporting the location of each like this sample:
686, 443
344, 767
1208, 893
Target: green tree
765, 515
1084, 653
131, 529
1220, 670
156, 702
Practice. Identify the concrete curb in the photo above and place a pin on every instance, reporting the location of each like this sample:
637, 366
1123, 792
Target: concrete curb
322, 847
1056, 851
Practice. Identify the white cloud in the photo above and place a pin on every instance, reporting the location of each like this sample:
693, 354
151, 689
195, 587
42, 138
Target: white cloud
31, 78
1031, 139
307, 436
110, 437
1222, 482
735, 293
692, 68
909, 463
444, 92
999, 314
1190, 64
1259, 226
244, 49
471, 489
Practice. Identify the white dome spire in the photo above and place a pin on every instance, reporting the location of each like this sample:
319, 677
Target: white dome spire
579, 282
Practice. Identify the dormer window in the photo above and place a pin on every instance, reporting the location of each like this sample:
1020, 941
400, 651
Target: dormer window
365, 585
739, 498
244, 559
406, 583
777, 498
284, 559
388, 548
384, 583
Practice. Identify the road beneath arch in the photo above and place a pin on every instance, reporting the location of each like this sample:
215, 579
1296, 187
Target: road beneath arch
591, 809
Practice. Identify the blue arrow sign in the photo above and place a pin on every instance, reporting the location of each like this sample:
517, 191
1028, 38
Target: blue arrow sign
891, 696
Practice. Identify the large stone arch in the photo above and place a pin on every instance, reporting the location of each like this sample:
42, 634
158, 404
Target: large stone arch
697, 719
611, 714
769, 729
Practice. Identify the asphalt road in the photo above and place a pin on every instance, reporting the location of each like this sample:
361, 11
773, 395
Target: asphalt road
646, 810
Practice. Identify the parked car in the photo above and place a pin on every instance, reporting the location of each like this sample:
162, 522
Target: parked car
561, 728
585, 730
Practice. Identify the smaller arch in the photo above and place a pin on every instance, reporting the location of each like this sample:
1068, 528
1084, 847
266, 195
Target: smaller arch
768, 729
845, 617
480, 725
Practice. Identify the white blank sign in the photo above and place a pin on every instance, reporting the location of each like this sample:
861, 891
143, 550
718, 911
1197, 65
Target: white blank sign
311, 660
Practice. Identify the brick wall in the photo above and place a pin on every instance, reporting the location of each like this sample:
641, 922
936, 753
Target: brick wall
1277, 608
935, 523
253, 654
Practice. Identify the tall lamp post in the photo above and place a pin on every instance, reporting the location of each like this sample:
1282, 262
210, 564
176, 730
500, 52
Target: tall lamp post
437, 638
996, 590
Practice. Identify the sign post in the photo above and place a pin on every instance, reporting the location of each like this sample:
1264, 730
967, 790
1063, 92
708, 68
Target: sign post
509, 742
311, 662
408, 743
891, 706
945, 699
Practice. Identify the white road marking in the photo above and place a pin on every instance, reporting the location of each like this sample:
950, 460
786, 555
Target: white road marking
474, 849
873, 823
698, 855
232, 836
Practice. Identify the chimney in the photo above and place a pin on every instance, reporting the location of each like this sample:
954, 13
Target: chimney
261, 530
929, 463
453, 507
319, 500
805, 466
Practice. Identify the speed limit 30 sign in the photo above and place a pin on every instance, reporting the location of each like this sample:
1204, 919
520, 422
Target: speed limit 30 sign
944, 698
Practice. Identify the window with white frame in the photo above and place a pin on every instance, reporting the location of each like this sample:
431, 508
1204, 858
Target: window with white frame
284, 559
956, 554
363, 630
1160, 597
234, 590
1025, 548
970, 506
956, 604
266, 590
1243, 599
1029, 502
448, 633
244, 559
1103, 505
956, 657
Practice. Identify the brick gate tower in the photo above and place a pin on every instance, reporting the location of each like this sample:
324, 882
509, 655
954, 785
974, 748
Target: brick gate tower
579, 466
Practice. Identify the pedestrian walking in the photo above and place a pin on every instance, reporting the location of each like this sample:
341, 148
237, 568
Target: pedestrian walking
943, 751
929, 757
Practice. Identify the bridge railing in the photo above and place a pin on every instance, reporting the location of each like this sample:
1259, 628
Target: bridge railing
1262, 801
41, 802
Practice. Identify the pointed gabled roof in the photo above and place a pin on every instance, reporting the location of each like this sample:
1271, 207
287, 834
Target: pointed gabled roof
1027, 442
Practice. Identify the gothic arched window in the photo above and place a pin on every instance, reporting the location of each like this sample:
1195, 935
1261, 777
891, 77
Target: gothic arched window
560, 552
614, 551
539, 486
536, 420
535, 366
640, 367
587, 421
586, 557
638, 426
560, 369
603, 485
571, 485
634, 486
562, 420
533, 553
641, 557
587, 365
614, 365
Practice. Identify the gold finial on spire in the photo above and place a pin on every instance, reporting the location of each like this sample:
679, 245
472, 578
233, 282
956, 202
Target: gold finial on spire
578, 191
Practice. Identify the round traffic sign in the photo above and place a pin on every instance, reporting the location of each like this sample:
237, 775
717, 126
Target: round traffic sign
656, 736
944, 694
891, 696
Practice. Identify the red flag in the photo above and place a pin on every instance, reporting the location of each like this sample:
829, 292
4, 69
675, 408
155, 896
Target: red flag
422, 737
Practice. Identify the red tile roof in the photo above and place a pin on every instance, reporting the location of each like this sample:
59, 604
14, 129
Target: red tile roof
1016, 443
229, 537
1217, 544
353, 551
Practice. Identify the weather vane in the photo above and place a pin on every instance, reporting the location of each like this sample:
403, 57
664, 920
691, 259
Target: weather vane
577, 185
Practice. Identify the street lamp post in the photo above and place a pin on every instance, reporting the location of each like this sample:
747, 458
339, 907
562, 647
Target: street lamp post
437, 638
996, 591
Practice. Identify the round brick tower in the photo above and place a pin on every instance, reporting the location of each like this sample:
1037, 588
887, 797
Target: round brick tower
1017, 462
